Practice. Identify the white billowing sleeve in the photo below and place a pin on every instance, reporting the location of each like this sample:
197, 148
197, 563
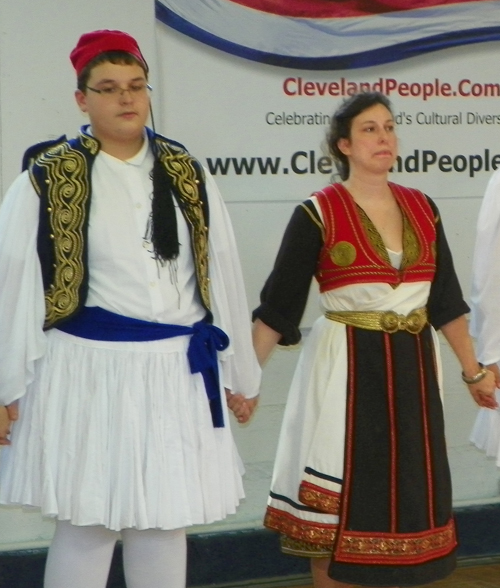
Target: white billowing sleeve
22, 305
241, 370
485, 295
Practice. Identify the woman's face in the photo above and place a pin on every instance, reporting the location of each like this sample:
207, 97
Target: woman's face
373, 145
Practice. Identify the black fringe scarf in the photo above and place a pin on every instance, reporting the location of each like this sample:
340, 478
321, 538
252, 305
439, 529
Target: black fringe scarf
164, 234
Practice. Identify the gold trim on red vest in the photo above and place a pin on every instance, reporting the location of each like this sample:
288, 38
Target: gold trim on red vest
349, 255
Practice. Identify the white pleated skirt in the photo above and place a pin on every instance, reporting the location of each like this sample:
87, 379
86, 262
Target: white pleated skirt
120, 435
486, 431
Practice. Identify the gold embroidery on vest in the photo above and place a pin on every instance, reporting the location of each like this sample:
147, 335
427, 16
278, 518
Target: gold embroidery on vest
68, 191
89, 143
179, 165
343, 253
373, 235
411, 245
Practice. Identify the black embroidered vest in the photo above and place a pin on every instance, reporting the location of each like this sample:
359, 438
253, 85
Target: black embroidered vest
61, 173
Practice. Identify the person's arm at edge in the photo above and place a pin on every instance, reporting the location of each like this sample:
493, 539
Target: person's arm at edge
447, 310
299, 248
21, 296
484, 323
285, 293
265, 340
240, 372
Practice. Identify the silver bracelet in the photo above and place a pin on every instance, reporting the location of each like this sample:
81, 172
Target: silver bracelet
477, 378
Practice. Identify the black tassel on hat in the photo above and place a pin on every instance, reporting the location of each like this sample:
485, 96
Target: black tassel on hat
164, 222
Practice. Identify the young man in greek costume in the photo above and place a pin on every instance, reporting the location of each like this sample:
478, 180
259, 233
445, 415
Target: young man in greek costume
124, 319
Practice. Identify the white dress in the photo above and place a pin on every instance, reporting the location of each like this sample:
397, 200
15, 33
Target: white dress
120, 433
485, 315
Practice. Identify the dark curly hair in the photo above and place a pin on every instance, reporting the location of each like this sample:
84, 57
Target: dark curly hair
340, 127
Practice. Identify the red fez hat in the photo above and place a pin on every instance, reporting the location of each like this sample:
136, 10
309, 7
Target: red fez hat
90, 45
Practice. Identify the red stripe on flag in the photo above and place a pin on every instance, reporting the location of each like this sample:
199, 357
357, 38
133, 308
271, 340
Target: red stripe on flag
341, 8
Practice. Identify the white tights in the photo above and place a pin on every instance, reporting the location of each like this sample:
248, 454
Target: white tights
80, 557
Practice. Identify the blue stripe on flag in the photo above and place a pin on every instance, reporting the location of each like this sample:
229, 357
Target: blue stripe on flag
369, 58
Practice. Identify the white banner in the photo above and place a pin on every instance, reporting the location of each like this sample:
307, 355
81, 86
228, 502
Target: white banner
260, 128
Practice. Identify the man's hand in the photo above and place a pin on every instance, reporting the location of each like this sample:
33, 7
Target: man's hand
8, 414
242, 407
496, 372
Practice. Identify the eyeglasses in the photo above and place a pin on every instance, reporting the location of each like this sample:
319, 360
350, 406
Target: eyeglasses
114, 91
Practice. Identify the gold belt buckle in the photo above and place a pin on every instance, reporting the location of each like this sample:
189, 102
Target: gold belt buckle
416, 321
391, 322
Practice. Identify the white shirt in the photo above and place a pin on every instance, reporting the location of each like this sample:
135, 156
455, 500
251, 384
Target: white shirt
125, 277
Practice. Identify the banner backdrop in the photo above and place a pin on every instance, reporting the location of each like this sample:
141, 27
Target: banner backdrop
326, 34
259, 128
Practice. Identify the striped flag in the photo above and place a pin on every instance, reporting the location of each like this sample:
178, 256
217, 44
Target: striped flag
331, 34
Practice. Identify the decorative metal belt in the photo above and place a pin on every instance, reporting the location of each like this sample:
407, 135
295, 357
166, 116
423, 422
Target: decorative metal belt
387, 321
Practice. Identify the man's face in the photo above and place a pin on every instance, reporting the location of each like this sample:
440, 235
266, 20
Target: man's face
119, 116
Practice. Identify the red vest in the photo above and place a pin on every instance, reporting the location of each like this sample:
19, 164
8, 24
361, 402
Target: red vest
349, 257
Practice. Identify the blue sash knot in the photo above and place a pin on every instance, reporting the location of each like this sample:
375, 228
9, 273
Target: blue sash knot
99, 324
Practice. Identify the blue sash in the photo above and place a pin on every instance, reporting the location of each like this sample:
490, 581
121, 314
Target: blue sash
96, 323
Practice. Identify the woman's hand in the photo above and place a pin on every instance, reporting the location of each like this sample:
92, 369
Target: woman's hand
8, 414
484, 391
